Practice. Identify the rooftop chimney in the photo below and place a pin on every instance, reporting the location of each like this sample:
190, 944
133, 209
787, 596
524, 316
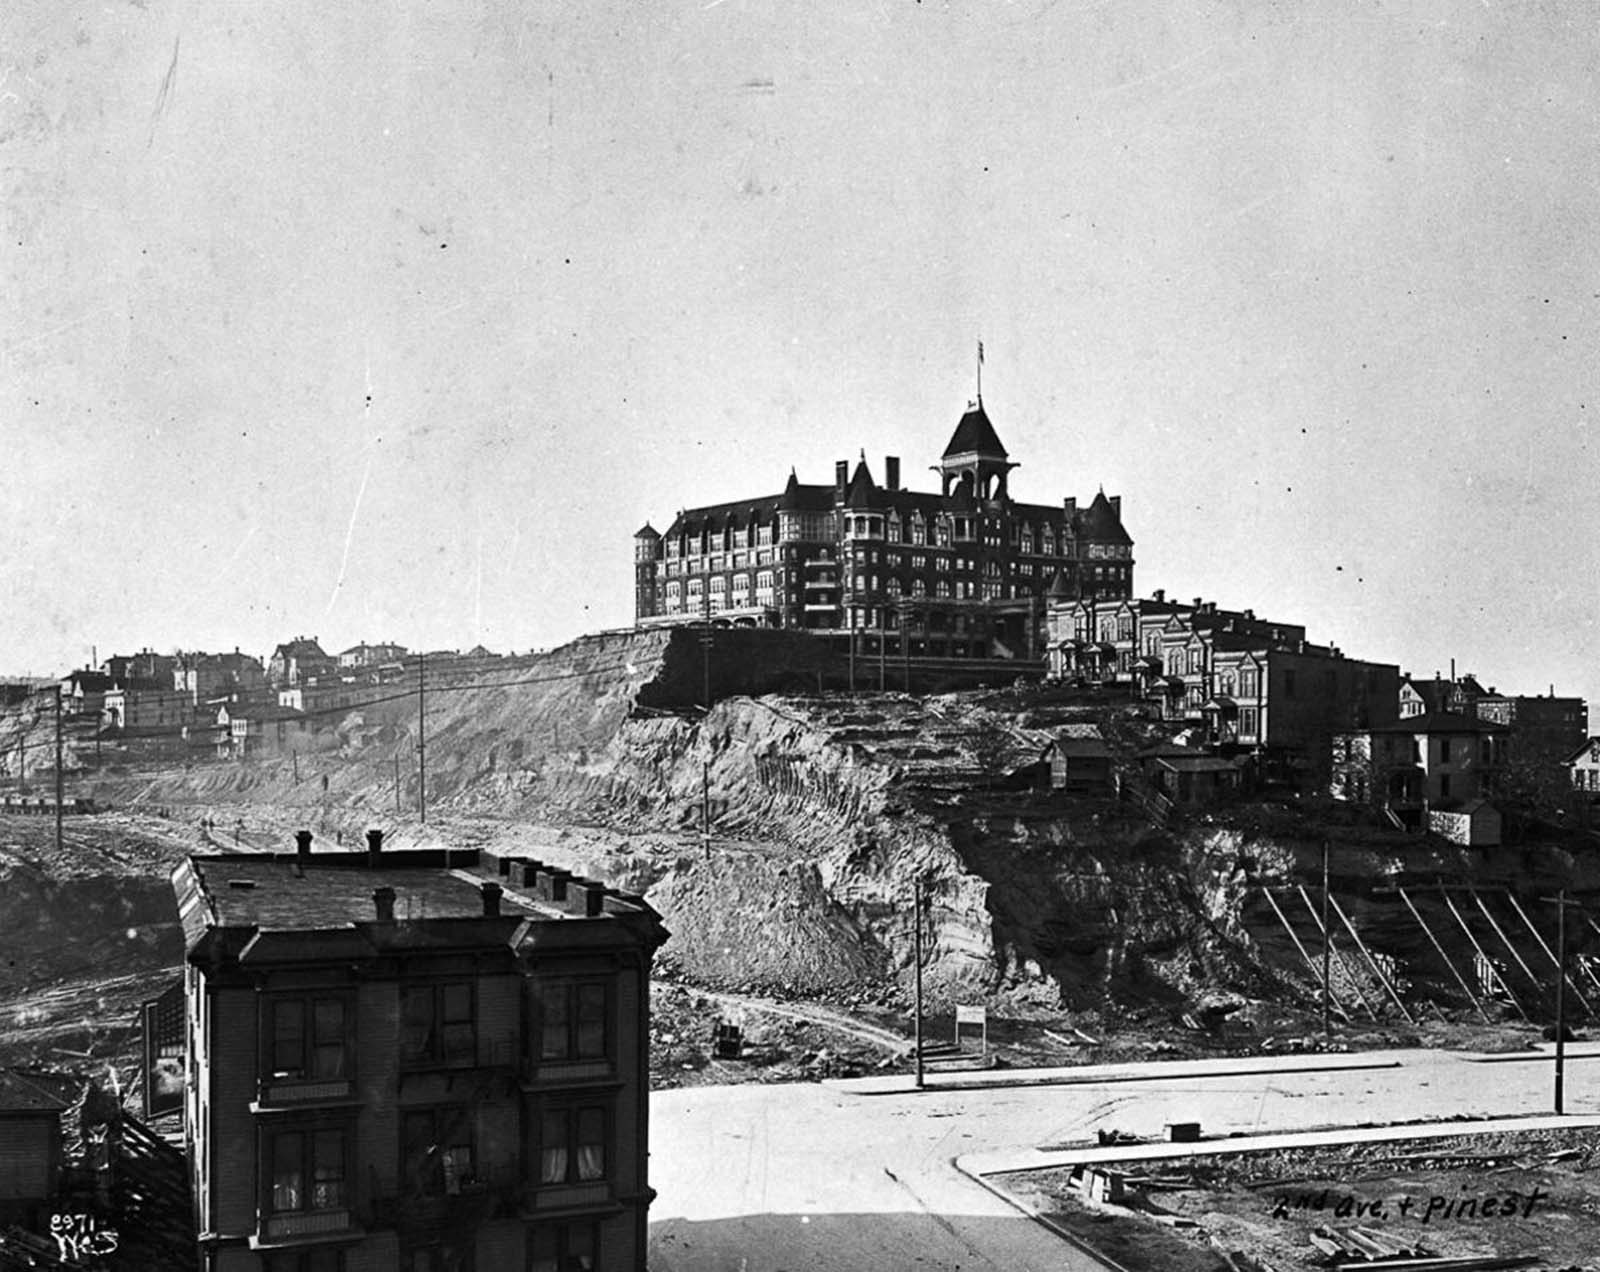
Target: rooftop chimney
1161, 595
383, 902
841, 477
594, 900
374, 846
302, 845
491, 900
891, 472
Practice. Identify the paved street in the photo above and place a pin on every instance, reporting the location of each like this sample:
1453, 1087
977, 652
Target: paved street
836, 1179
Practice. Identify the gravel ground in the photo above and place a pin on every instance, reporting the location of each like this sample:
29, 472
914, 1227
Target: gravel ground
1527, 1193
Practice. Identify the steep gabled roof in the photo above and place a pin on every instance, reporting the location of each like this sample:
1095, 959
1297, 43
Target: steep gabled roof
975, 434
1100, 522
862, 489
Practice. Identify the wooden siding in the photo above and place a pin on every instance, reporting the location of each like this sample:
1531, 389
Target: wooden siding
233, 1130
30, 1151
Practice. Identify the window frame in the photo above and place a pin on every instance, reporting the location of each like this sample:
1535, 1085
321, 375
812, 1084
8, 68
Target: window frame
581, 1120
312, 1043
309, 1162
573, 1021
438, 1053
443, 1122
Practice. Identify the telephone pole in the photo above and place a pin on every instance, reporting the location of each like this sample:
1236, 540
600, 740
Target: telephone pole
1327, 947
916, 894
1561, 903
422, 753
58, 768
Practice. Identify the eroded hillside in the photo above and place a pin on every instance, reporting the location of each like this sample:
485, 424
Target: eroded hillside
822, 815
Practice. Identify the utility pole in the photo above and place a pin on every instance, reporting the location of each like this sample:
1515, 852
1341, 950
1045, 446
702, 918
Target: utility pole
1561, 903
852, 657
916, 885
705, 807
706, 641
422, 754
883, 644
905, 646
1327, 947
58, 769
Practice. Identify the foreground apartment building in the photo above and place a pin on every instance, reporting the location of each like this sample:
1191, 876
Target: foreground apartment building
432, 1061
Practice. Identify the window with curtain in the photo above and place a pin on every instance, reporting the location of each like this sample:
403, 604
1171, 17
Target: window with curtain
572, 1144
308, 1170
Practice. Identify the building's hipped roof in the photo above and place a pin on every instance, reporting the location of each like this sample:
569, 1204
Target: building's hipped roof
975, 434
646, 531
790, 501
1100, 522
863, 490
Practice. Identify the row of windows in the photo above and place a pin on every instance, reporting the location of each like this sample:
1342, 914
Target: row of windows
312, 1038
309, 1168
733, 561
725, 540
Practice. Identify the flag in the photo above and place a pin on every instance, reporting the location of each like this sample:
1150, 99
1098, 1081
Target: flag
980, 353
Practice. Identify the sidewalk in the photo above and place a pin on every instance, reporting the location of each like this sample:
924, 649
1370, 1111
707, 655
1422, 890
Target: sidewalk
1179, 1070
1138, 1071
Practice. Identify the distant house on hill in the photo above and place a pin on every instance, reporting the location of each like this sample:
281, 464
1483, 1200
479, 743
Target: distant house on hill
146, 669
362, 656
148, 711
83, 693
207, 676
1455, 696
1435, 761
1583, 766
298, 660
257, 730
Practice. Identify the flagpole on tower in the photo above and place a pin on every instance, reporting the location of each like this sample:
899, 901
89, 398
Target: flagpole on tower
980, 373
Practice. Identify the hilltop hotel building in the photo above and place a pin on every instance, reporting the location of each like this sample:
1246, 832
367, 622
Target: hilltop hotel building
963, 573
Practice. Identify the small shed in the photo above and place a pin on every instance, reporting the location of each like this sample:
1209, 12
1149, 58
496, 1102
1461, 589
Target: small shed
30, 1141
1194, 779
1475, 823
1079, 763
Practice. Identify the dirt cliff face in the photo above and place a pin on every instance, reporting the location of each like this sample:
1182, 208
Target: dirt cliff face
784, 837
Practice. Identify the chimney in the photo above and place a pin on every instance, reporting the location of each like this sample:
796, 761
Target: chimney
302, 846
491, 900
1161, 595
558, 883
594, 900
841, 478
1198, 602
383, 902
1070, 504
1116, 505
374, 846
891, 472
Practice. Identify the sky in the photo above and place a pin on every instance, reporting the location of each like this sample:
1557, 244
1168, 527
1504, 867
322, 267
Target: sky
396, 320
